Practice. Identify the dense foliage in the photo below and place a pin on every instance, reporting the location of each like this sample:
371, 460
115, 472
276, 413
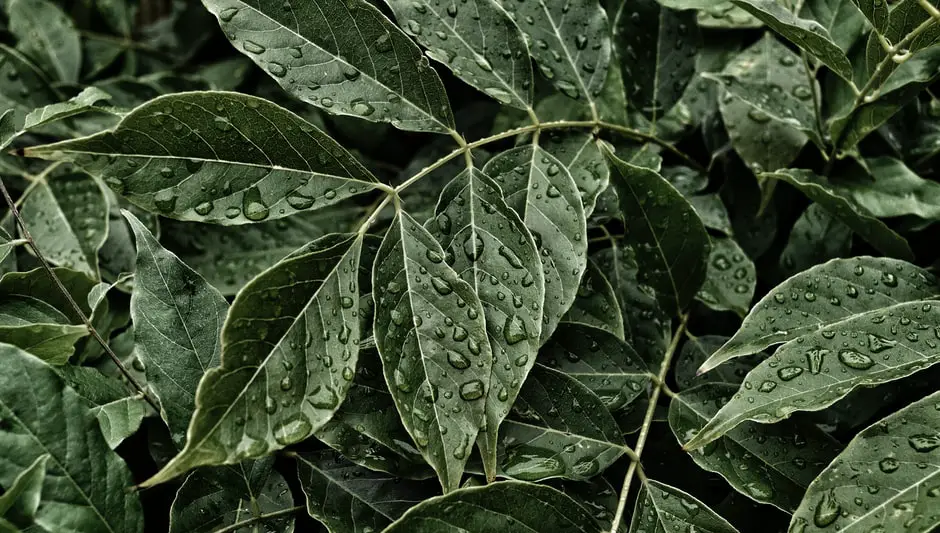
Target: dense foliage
430, 266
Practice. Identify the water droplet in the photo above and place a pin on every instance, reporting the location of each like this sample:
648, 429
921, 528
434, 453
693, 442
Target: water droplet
252, 205
361, 107
827, 510
277, 69
877, 343
473, 247
442, 286
815, 358
292, 430
767, 386
472, 390
924, 443
514, 331
889, 465
856, 360
788, 373
165, 200
203, 209
299, 201
254, 48
227, 14
510, 257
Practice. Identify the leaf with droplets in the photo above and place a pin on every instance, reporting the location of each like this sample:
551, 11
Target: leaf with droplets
578, 152
542, 191
25, 87
697, 350
488, 246
219, 157
842, 18
596, 303
768, 463
809, 35
80, 103
862, 222
177, 319
875, 11
346, 497
569, 41
886, 479
507, 506
816, 237
658, 47
48, 36
289, 344
671, 244
375, 72
817, 369
431, 333
660, 507
894, 190
21, 498
477, 41
823, 296
731, 279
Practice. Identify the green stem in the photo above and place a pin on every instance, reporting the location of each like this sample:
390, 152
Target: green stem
648, 422
127, 43
255, 519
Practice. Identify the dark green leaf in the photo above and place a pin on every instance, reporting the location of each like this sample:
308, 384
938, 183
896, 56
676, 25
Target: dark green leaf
697, 350
816, 237
596, 304
81, 103
875, 12
731, 279
893, 190
21, 498
841, 18
38, 328
578, 152
47, 35
660, 507
120, 419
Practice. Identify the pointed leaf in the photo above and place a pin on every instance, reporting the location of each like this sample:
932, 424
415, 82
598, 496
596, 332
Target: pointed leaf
817, 369
875, 12
85, 486
697, 350
346, 497
596, 304
768, 463
894, 190
47, 35
816, 237
7, 244
177, 319
38, 328
578, 152
427, 325
488, 246
543, 192
508, 507
807, 34
21, 498
731, 279
225, 158
289, 343
843, 20
829, 293
896, 462
121, 419
671, 242
375, 72
660, 507
80, 103
862, 222
569, 41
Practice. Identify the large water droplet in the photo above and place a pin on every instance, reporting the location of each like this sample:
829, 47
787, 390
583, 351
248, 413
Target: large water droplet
292, 430
924, 443
856, 360
472, 390
458, 360
827, 510
514, 331
473, 247
252, 205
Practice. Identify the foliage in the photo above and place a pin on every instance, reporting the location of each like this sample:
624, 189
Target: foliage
469, 265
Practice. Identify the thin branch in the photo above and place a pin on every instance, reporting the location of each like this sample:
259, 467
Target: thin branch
255, 519
68, 296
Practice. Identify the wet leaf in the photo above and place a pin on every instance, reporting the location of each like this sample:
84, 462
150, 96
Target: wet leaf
578, 152
596, 303
731, 279
843, 20
893, 190
697, 350
48, 36
816, 237
660, 507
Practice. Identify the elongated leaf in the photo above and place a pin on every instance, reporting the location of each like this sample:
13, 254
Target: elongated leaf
603, 363
596, 304
81, 103
843, 19
768, 463
807, 34
508, 506
7, 244
558, 428
477, 41
819, 368
375, 72
895, 190
697, 350
121, 419
485, 241
25, 87
874, 231
658, 47
896, 462
570, 42
289, 343
660, 507
38, 328
346, 497
816, 237
177, 320
47, 35
543, 192
427, 325
85, 485
671, 243
225, 158
828, 294
21, 498
731, 279
37, 284
578, 152
68, 218
213, 498
875, 12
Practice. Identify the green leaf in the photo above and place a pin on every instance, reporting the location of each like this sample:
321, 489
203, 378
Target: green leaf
67, 215
477, 41
375, 72
299, 316
225, 158
85, 484
558, 428
839, 290
542, 191
346, 497
816, 237
121, 419
427, 325
602, 362
47, 35
767, 463
213, 498
709, 206
570, 42
672, 245
726, 15
37, 284
807, 34
596, 304
21, 499
485, 241
25, 87
894, 190
508, 506
731, 279
578, 152
38, 328
7, 244
842, 18
177, 318
819, 368
658, 47
80, 103
896, 463
697, 350
660, 507
875, 12
862, 222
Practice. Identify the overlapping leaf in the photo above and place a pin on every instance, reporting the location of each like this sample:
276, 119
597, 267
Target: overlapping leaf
578, 152
21, 498
660, 507
596, 303
816, 237
120, 419
48, 36
697, 350
731, 278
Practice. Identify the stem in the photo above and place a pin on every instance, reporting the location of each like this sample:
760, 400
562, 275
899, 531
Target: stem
126, 43
930, 9
68, 296
648, 421
640, 136
238, 525
811, 79
375, 210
